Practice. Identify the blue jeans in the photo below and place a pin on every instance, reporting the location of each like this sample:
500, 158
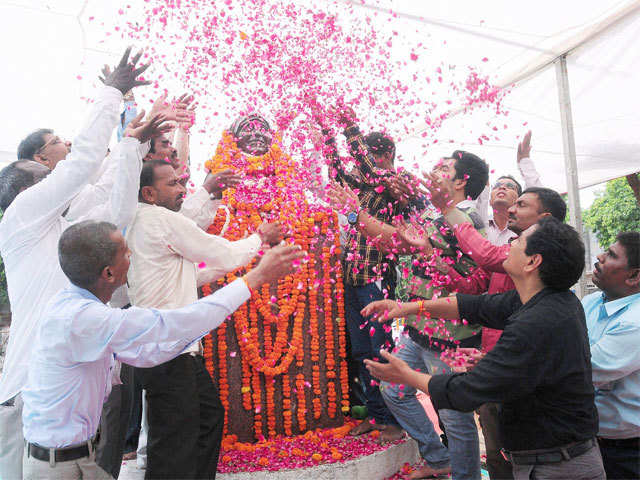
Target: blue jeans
367, 344
460, 427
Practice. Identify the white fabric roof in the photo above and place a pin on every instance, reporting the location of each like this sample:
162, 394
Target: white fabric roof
52, 47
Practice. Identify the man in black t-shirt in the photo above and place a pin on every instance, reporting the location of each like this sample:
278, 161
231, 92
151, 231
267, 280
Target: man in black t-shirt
540, 369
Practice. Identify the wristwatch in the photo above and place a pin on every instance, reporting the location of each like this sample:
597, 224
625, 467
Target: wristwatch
352, 217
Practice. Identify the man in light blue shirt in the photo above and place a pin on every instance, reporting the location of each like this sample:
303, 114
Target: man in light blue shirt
80, 338
613, 321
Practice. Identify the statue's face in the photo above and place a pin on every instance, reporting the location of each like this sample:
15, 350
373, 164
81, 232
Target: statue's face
252, 135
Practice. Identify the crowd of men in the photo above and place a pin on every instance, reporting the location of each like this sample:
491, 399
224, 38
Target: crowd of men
102, 248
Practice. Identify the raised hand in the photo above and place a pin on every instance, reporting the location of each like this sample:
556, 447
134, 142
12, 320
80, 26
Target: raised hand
382, 310
277, 262
342, 198
414, 237
217, 182
395, 371
344, 115
524, 147
469, 358
124, 76
176, 110
318, 114
439, 194
145, 131
271, 233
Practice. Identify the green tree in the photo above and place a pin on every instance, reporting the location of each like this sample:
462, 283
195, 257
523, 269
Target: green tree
614, 210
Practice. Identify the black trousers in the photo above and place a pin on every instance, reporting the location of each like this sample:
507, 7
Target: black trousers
114, 423
185, 418
621, 458
498, 467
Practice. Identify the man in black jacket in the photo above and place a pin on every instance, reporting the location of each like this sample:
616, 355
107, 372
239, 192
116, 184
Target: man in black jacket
540, 369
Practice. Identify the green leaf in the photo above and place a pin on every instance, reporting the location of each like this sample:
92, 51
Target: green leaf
613, 211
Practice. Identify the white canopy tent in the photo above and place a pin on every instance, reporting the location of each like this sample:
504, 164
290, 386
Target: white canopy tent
50, 44
571, 68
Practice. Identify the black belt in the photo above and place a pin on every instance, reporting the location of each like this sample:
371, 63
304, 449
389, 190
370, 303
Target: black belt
60, 454
550, 455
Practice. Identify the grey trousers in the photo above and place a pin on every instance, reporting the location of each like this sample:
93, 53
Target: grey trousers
11, 439
84, 468
587, 466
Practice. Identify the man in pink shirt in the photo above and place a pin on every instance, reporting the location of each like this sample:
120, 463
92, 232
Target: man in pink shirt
533, 204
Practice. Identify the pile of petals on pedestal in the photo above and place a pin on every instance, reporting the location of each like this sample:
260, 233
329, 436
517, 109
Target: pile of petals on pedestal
332, 445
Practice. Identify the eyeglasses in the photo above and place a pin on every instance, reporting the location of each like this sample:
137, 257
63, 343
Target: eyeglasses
55, 140
508, 185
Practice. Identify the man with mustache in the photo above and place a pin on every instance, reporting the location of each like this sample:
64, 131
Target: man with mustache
34, 199
539, 371
172, 256
613, 322
80, 338
533, 204
425, 274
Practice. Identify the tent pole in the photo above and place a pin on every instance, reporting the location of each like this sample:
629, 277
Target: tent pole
570, 164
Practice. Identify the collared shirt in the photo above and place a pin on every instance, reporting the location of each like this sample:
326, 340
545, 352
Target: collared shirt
498, 281
530, 176
614, 336
172, 256
462, 276
364, 262
498, 236
199, 207
488, 256
80, 338
32, 225
539, 370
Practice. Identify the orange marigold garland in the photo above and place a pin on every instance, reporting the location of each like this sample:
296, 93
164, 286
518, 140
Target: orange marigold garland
223, 384
268, 362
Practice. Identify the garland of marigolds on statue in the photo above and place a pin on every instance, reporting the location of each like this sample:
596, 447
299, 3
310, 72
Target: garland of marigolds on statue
275, 195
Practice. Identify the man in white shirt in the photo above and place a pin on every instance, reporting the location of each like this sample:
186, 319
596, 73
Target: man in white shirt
80, 337
496, 220
31, 226
172, 256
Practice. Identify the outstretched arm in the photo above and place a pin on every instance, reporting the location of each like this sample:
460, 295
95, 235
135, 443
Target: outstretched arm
120, 206
99, 328
48, 199
487, 255
525, 164
489, 310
